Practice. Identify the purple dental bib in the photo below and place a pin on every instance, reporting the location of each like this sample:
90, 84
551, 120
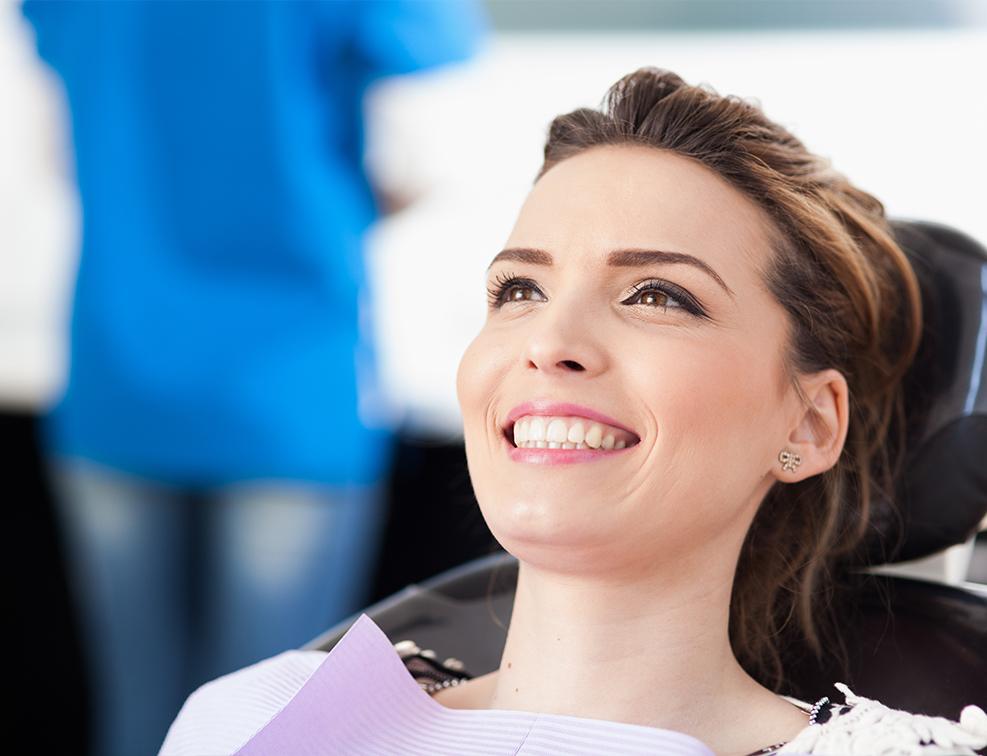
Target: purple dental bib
363, 700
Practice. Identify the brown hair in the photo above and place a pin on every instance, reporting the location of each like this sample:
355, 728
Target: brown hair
853, 305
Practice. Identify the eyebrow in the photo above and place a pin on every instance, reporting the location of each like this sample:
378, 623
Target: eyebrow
620, 258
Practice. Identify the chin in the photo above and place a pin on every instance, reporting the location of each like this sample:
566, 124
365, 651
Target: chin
523, 526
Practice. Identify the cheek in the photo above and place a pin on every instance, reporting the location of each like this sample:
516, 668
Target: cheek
480, 372
463, 372
479, 378
715, 409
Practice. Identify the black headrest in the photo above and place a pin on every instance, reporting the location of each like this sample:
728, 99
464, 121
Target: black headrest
942, 493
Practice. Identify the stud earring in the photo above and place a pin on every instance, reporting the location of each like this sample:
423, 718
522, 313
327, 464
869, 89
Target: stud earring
789, 460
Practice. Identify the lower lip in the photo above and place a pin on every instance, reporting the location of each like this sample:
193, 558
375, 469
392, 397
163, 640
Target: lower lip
559, 456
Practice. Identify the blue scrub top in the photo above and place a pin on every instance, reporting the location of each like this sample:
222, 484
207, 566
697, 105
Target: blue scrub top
220, 324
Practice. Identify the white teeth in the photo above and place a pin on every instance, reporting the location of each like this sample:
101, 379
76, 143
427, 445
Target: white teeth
557, 432
577, 433
549, 445
540, 432
536, 430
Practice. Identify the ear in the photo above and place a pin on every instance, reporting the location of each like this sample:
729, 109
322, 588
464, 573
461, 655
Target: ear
820, 428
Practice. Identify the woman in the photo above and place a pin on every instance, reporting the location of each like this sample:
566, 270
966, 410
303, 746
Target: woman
677, 415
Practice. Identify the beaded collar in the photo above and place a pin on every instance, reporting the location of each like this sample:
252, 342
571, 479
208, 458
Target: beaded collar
431, 674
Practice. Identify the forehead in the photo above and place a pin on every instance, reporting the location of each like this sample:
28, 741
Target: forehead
631, 196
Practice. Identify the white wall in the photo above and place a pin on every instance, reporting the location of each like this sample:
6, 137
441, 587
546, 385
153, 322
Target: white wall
38, 221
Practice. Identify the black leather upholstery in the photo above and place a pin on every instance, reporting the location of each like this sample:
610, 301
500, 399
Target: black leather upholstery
942, 496
915, 645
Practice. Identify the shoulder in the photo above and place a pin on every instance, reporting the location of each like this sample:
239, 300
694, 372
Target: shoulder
222, 715
863, 725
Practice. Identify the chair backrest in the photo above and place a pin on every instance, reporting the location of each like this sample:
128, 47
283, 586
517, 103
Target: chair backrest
914, 645
942, 496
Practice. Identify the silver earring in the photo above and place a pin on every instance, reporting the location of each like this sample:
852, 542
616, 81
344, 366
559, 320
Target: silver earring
789, 460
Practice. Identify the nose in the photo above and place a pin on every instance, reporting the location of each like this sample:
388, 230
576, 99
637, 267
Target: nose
562, 340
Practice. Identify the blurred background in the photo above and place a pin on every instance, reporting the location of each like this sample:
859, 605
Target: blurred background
890, 90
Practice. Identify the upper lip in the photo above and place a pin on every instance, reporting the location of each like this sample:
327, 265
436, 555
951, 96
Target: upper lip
562, 409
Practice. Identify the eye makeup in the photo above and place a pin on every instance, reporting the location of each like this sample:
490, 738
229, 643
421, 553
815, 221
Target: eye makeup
503, 284
672, 292
506, 283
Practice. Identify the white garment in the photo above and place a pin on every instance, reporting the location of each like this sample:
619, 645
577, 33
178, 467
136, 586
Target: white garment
870, 728
222, 715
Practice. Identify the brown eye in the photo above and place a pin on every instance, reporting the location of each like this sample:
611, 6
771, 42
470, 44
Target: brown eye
665, 295
509, 289
654, 298
516, 293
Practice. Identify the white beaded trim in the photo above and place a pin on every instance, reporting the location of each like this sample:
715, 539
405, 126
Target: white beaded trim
816, 708
863, 725
432, 687
408, 648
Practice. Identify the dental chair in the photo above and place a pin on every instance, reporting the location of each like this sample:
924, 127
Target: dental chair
916, 644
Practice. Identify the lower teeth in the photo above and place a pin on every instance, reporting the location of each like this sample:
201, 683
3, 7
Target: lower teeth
551, 445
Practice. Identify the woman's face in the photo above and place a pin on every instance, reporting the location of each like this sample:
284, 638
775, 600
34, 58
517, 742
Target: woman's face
639, 296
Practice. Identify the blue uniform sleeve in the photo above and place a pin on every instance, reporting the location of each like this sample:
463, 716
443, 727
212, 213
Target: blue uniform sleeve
38, 15
401, 36
53, 22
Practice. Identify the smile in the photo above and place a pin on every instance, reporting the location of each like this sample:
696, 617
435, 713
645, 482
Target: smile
575, 434
549, 432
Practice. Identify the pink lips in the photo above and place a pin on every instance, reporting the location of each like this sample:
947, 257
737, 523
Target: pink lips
560, 456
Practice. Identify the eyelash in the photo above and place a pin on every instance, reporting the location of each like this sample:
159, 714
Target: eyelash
506, 282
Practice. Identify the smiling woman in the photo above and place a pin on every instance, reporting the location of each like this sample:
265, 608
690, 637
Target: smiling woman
686, 266
813, 318
679, 415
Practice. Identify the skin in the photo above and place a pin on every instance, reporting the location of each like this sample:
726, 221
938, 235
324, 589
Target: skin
627, 562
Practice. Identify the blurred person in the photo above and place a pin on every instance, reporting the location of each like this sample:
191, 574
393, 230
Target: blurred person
680, 417
37, 234
220, 448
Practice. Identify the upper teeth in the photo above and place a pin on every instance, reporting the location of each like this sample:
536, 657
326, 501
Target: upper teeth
568, 433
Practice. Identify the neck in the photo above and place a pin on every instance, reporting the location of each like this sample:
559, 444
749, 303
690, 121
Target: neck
662, 636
